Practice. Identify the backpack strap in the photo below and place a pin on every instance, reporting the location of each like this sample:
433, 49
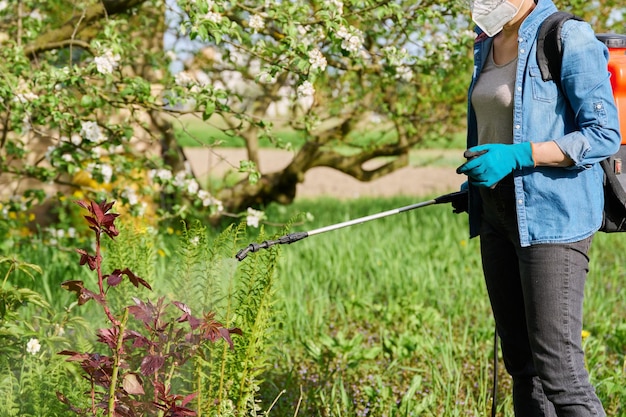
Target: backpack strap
549, 48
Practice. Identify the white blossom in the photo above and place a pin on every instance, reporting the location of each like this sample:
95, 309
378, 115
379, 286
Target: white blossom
131, 195
317, 60
213, 17
26, 97
254, 217
306, 89
352, 38
27, 126
192, 186
335, 5
33, 347
92, 132
205, 197
405, 73
180, 179
4, 4
105, 170
106, 63
36, 14
257, 22
171, 54
266, 78
49, 152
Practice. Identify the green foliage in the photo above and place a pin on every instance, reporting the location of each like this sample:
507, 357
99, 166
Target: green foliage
389, 317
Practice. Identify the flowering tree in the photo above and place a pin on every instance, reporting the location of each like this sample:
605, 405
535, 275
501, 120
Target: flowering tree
90, 92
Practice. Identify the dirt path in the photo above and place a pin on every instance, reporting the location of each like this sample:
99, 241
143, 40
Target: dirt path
410, 181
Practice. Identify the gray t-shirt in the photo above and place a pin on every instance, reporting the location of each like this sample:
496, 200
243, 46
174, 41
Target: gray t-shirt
492, 99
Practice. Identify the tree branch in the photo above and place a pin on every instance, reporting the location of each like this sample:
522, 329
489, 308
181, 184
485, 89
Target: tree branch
54, 38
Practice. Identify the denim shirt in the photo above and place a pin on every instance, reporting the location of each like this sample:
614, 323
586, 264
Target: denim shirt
555, 204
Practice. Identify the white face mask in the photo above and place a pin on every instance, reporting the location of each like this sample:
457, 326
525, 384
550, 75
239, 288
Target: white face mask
491, 15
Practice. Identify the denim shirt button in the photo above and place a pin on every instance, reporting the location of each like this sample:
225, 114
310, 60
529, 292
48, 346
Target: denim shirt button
518, 127
520, 201
522, 51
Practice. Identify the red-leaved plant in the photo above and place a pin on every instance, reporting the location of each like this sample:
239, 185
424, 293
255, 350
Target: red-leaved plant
134, 380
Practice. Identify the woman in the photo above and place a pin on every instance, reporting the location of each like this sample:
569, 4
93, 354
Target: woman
536, 195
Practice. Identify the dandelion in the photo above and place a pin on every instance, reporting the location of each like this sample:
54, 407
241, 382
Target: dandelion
317, 60
33, 347
254, 217
585, 334
257, 22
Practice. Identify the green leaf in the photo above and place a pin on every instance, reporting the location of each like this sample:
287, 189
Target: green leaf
209, 109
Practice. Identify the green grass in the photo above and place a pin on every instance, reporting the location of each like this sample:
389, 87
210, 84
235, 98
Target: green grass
193, 132
389, 317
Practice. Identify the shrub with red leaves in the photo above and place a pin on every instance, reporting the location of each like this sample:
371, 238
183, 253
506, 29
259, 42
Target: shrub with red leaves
133, 380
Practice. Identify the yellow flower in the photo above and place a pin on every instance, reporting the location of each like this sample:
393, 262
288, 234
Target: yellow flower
585, 334
31, 217
161, 253
12, 215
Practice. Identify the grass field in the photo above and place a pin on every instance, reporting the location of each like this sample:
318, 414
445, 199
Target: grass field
386, 318
191, 131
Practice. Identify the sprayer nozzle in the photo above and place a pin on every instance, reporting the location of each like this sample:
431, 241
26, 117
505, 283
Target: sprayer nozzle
241, 255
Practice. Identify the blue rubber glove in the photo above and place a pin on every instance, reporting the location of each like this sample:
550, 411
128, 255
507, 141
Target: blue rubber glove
496, 162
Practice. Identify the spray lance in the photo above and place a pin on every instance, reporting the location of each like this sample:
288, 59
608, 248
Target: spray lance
294, 237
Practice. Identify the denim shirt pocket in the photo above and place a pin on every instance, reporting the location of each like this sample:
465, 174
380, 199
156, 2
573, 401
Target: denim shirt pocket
546, 91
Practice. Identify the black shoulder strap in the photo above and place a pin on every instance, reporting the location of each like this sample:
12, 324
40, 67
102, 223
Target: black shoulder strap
549, 49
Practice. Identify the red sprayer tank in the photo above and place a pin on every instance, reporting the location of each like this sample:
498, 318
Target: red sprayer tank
617, 67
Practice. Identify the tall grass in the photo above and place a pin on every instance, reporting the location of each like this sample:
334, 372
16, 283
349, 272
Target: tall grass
385, 318
395, 312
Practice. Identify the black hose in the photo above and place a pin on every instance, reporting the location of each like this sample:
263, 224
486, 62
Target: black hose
494, 389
